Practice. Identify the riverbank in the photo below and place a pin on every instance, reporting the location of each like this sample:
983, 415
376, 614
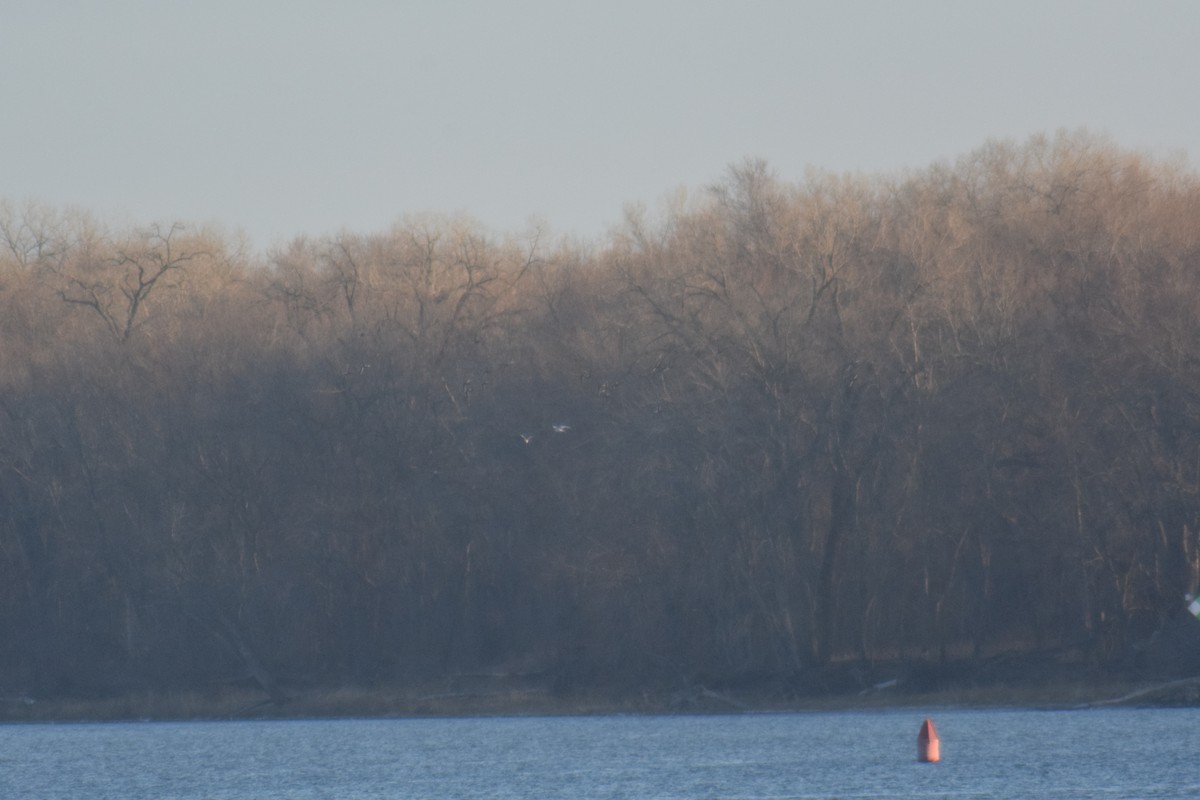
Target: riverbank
245, 703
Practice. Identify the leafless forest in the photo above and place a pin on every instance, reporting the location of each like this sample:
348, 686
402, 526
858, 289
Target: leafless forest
944, 415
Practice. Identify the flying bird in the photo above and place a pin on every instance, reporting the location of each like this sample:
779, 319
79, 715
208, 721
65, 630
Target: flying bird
560, 428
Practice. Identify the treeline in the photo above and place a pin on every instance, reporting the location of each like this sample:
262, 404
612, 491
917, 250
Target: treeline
950, 414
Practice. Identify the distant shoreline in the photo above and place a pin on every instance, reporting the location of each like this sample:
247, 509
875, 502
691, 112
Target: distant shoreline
247, 704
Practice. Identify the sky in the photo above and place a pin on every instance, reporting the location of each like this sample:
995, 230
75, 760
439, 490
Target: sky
280, 118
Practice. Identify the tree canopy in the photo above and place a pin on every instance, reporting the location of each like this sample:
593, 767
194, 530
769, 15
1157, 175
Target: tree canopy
947, 414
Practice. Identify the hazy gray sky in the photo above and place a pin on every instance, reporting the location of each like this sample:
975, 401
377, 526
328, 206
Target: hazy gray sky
281, 117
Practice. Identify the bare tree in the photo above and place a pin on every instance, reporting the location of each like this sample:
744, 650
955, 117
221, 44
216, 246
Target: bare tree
117, 284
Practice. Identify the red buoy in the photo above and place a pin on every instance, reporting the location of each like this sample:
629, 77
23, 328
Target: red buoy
929, 746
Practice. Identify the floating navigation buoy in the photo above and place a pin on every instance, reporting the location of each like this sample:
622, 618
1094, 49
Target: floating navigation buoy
929, 747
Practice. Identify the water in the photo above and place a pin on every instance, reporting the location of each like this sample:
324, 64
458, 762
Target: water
1112, 754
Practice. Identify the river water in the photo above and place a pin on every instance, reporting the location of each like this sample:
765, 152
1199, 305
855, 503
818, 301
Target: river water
1115, 754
